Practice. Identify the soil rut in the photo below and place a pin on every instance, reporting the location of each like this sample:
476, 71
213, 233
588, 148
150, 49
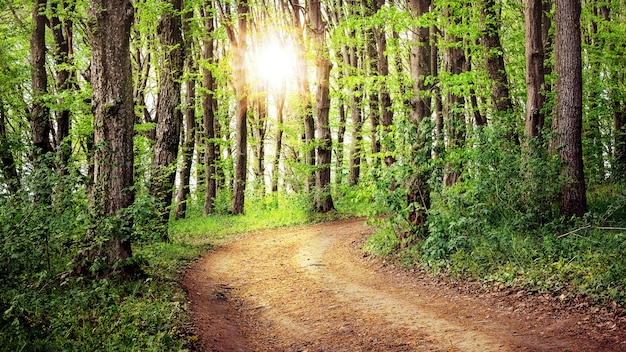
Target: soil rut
311, 289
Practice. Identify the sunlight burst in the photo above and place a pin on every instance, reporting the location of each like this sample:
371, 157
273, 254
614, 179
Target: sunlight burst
275, 63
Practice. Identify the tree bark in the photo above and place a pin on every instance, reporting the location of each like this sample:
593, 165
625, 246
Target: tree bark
112, 86
386, 111
535, 79
209, 106
62, 32
280, 106
169, 116
190, 137
351, 57
439, 143
323, 197
568, 119
374, 92
40, 113
306, 110
496, 71
454, 115
341, 135
418, 191
241, 89
259, 130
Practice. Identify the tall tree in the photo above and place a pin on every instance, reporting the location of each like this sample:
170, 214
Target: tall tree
304, 96
353, 59
439, 143
190, 120
40, 113
280, 109
209, 106
535, 79
386, 111
169, 116
418, 191
114, 117
63, 38
239, 43
258, 126
323, 197
567, 124
454, 109
496, 71
373, 93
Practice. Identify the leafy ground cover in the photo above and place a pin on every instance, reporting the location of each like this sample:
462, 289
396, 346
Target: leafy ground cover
45, 307
568, 258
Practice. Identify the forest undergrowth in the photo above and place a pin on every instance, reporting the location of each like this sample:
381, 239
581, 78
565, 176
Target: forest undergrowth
501, 226
45, 306
492, 228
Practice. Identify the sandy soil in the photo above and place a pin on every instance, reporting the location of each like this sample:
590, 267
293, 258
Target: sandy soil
311, 288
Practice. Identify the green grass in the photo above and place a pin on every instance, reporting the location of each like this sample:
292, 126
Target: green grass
271, 211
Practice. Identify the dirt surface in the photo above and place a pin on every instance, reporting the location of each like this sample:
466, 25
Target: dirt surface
311, 288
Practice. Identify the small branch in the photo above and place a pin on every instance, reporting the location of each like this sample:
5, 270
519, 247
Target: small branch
611, 228
589, 226
573, 232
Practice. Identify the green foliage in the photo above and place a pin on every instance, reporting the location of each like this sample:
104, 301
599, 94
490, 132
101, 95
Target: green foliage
270, 211
44, 306
383, 242
501, 225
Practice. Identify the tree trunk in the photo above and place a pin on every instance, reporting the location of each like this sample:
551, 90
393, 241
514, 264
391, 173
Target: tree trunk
190, 139
454, 115
241, 143
169, 116
40, 113
374, 93
535, 80
351, 58
341, 129
474, 107
439, 143
258, 128
386, 111
568, 119
209, 106
306, 110
418, 191
280, 105
323, 197
114, 116
62, 32
496, 71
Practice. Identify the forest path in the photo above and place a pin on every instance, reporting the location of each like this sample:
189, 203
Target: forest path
311, 288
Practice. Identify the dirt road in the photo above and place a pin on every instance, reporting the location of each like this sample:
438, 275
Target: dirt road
312, 289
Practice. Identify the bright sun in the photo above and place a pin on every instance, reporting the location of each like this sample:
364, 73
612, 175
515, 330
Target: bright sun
274, 63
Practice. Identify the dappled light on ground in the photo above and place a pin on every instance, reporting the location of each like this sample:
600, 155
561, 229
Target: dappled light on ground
311, 288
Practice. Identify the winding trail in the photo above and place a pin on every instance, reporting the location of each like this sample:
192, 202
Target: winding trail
310, 288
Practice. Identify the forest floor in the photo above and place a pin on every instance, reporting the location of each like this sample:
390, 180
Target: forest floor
312, 288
